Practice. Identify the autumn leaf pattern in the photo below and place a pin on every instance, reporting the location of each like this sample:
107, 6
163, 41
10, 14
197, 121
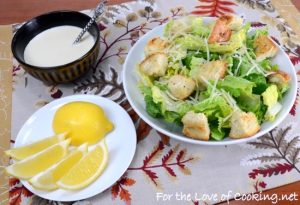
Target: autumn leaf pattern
294, 107
17, 191
174, 157
284, 158
102, 83
264, 5
119, 189
214, 7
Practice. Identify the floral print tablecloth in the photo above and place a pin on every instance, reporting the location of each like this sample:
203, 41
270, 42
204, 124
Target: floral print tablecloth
163, 167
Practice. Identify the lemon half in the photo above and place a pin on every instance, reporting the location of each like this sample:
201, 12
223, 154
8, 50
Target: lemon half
83, 121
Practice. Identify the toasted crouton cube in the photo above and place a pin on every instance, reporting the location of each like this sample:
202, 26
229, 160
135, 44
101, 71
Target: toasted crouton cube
181, 87
233, 21
195, 125
221, 32
155, 45
279, 77
243, 125
155, 65
212, 70
264, 48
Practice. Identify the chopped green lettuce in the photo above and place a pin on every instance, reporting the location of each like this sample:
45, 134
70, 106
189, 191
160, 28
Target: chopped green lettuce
236, 86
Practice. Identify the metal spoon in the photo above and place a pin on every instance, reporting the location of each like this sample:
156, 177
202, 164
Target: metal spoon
97, 12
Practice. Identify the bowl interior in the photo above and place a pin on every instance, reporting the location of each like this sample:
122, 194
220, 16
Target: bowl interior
46, 21
131, 81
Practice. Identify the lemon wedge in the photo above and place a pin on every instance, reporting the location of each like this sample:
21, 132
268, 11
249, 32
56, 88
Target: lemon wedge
87, 170
23, 152
39, 162
47, 180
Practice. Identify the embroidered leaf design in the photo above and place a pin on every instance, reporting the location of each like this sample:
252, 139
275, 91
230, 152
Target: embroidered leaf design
115, 190
214, 7
269, 170
291, 146
275, 39
262, 184
152, 175
262, 143
156, 151
294, 156
267, 158
294, 59
17, 191
294, 107
280, 138
170, 171
264, 5
105, 84
257, 24
118, 189
166, 157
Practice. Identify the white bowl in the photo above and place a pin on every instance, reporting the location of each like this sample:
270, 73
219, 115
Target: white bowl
131, 81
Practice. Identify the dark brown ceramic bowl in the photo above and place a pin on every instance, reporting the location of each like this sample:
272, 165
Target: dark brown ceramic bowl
56, 74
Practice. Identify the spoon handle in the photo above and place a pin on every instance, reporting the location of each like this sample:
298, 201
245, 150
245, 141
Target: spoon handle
97, 12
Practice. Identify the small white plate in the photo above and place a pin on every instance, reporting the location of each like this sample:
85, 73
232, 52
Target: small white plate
121, 144
131, 79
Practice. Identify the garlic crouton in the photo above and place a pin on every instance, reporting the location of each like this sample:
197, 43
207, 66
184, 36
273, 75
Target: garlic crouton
221, 32
155, 45
264, 48
195, 125
279, 78
212, 70
154, 65
233, 21
243, 125
181, 87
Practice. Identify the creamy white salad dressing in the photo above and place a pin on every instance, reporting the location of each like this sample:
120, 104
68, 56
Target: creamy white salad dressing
54, 47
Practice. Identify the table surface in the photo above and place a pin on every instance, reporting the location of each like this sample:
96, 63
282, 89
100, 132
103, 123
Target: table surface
21, 10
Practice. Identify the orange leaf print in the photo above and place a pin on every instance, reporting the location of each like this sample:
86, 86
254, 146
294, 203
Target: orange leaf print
125, 195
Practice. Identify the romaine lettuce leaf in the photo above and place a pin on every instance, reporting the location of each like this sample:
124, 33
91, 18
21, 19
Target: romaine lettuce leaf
236, 85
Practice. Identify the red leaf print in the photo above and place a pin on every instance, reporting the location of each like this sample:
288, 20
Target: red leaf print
214, 7
270, 170
17, 190
180, 155
262, 184
115, 190
156, 150
152, 175
257, 24
167, 156
275, 39
125, 195
295, 59
294, 107
101, 26
170, 171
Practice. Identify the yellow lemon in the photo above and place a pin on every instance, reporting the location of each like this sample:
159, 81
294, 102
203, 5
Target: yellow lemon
39, 162
87, 170
22, 152
47, 180
83, 121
